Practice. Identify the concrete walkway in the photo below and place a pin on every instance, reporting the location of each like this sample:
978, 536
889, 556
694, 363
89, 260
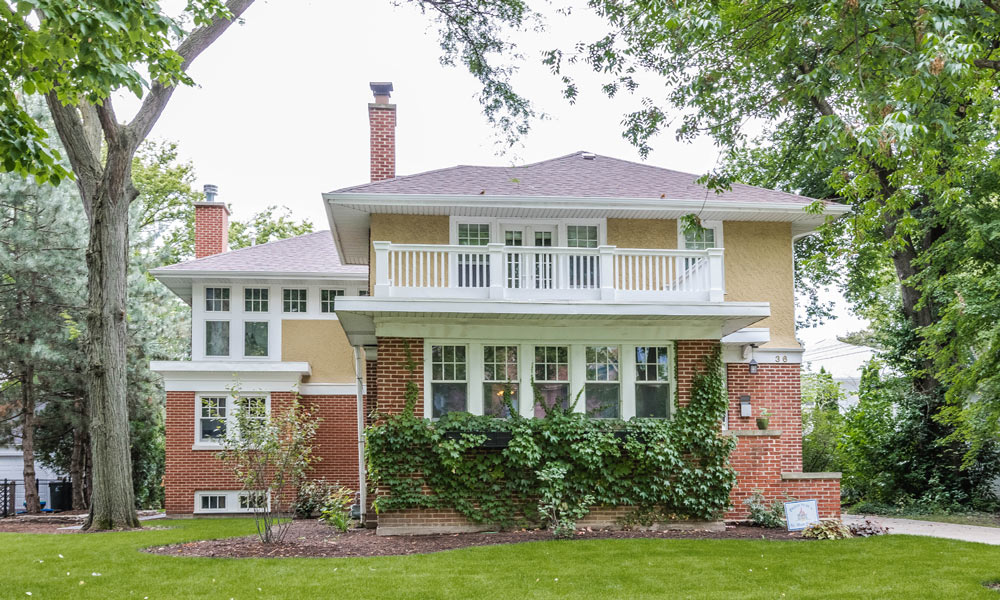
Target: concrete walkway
966, 533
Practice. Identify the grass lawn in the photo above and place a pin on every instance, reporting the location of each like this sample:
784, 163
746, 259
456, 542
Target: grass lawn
882, 567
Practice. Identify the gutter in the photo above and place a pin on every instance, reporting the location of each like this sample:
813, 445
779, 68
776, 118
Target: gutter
359, 371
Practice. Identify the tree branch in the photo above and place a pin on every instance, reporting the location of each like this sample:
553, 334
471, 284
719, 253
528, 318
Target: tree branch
190, 48
85, 161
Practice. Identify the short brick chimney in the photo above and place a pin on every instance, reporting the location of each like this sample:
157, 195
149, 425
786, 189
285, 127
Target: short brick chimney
382, 120
211, 224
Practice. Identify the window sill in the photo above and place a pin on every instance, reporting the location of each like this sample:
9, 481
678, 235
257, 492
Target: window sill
204, 446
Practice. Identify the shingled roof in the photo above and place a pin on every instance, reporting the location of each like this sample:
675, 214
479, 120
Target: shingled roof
577, 175
312, 253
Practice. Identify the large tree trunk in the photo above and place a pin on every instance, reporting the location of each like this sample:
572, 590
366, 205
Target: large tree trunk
31, 500
112, 503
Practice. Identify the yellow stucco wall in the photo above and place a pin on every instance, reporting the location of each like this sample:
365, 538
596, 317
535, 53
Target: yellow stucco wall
323, 344
760, 268
405, 229
642, 233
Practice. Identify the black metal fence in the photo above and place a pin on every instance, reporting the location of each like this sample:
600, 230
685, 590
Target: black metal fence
7, 495
12, 497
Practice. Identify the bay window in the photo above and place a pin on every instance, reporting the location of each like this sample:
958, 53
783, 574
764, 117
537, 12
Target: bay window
552, 377
449, 380
603, 390
500, 377
652, 382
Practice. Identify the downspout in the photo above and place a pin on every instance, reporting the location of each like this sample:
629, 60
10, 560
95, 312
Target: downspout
359, 371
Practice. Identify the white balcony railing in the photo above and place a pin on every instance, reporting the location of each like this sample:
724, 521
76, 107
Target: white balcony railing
496, 271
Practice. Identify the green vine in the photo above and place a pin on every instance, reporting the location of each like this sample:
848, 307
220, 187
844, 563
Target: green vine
678, 468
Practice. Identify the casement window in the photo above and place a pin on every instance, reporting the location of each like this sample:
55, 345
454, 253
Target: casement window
552, 376
603, 388
449, 380
216, 338
255, 338
500, 380
217, 299
327, 300
652, 382
217, 416
255, 299
212, 419
293, 300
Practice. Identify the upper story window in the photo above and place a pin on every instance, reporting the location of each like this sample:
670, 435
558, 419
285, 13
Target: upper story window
255, 299
217, 299
500, 377
603, 390
707, 235
293, 300
327, 300
581, 236
255, 338
449, 380
363, 293
552, 376
473, 234
216, 338
652, 382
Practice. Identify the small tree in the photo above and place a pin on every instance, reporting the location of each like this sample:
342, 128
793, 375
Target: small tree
269, 455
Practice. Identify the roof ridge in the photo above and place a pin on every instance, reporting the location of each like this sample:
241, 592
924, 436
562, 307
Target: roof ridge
241, 250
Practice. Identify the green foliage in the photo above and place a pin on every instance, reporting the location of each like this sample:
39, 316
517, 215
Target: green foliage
827, 529
892, 457
559, 513
763, 514
822, 423
270, 455
336, 509
680, 466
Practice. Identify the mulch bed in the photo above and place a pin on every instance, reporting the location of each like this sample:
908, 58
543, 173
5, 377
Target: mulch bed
54, 522
310, 538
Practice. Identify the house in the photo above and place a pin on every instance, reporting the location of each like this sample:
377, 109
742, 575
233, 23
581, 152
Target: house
12, 469
538, 272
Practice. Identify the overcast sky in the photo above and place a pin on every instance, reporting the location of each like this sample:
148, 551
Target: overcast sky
279, 114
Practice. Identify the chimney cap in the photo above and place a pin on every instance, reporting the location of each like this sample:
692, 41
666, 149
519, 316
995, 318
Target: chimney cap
211, 191
381, 88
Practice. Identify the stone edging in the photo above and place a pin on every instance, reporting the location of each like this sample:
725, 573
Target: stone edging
820, 475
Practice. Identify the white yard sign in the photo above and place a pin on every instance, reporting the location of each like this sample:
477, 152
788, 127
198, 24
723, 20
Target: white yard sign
801, 514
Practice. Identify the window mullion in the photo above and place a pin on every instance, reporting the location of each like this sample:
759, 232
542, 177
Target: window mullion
626, 374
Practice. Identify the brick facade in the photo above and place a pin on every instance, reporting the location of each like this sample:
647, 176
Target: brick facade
211, 228
188, 470
382, 121
392, 375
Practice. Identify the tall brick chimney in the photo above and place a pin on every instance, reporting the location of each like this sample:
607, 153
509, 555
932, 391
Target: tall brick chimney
382, 120
211, 224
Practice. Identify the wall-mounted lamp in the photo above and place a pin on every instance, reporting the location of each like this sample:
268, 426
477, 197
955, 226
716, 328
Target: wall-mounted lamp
745, 409
753, 366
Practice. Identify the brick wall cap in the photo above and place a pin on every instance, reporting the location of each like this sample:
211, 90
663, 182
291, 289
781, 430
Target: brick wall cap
206, 203
817, 475
753, 432
383, 106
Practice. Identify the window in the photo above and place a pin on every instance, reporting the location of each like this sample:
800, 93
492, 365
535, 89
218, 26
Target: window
449, 384
253, 409
216, 338
255, 299
294, 301
581, 236
327, 300
699, 238
363, 293
603, 390
552, 376
252, 500
652, 382
500, 379
213, 502
217, 299
255, 338
212, 421
584, 269
473, 234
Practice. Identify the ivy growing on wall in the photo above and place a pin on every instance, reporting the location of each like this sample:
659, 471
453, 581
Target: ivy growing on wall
677, 468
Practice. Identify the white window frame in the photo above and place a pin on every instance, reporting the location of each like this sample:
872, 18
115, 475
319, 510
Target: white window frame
243, 346
504, 365
337, 293
263, 288
671, 369
715, 226
577, 369
200, 444
617, 381
497, 225
232, 497
429, 380
229, 346
220, 300
304, 301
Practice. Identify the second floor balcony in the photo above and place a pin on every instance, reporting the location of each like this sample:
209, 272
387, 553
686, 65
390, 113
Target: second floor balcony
501, 272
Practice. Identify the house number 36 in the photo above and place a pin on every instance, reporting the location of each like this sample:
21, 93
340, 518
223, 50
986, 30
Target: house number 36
780, 358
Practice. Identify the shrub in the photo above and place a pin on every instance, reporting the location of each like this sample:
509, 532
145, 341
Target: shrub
867, 529
827, 529
559, 512
311, 496
763, 515
336, 509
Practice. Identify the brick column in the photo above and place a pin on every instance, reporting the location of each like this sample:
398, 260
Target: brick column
211, 228
391, 376
382, 124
